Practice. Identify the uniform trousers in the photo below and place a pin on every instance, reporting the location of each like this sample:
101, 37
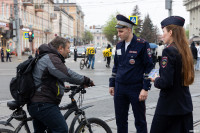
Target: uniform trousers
125, 95
172, 124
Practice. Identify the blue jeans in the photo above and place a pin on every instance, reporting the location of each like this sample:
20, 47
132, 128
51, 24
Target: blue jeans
197, 67
91, 59
47, 115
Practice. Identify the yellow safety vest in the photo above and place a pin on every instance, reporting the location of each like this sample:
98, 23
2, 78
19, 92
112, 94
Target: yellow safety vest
90, 50
107, 53
8, 50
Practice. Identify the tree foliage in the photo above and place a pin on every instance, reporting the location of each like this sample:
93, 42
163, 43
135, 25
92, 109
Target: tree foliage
87, 37
138, 28
109, 29
148, 31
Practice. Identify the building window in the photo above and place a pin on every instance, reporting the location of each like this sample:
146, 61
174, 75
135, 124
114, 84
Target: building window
97, 37
7, 11
11, 11
2, 9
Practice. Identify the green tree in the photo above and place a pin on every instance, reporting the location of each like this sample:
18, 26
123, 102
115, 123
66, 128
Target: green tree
87, 37
147, 32
109, 29
138, 28
187, 31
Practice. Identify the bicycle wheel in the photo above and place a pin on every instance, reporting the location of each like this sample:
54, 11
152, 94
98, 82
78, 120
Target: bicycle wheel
82, 64
97, 126
2, 130
75, 123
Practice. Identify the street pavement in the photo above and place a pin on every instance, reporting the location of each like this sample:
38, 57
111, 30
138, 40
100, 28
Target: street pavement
97, 93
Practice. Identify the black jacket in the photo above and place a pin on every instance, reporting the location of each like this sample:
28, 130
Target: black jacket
174, 99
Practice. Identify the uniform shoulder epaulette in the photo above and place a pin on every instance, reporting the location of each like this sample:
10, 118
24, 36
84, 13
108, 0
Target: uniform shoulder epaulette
140, 40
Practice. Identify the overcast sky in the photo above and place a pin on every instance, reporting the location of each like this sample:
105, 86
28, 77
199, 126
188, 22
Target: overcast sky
97, 12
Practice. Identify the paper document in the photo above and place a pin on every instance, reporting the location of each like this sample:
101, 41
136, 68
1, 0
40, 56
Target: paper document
153, 73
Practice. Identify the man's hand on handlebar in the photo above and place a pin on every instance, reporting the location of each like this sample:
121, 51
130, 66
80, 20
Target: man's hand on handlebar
88, 82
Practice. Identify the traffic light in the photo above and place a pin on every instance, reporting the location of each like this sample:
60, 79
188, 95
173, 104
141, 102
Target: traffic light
30, 36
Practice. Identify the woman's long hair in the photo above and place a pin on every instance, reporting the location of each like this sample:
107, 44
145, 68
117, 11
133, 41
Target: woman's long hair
181, 43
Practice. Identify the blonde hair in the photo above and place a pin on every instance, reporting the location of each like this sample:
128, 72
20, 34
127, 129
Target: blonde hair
181, 43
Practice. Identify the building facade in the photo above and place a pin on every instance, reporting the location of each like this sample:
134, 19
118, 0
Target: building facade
193, 6
99, 38
73, 9
63, 25
6, 16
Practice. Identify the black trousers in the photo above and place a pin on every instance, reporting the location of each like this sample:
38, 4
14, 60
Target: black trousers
108, 61
172, 124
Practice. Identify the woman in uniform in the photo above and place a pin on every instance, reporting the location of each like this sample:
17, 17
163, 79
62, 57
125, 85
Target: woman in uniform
174, 108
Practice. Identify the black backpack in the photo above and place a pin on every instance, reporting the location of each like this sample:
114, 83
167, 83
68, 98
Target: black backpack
22, 87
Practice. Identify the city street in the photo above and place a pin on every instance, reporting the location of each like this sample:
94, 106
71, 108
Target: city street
98, 95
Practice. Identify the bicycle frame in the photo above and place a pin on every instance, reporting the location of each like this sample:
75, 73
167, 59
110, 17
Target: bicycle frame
23, 122
20, 115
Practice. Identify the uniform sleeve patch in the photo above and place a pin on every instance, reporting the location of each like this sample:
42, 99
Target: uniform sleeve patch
149, 52
164, 61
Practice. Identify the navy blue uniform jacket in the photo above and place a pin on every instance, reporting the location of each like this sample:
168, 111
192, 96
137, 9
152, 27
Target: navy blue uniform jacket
174, 99
130, 67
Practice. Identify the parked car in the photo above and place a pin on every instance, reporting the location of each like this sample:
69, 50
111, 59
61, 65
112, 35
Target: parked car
81, 52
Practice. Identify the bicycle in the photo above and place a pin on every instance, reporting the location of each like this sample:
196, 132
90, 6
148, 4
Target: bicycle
84, 124
84, 62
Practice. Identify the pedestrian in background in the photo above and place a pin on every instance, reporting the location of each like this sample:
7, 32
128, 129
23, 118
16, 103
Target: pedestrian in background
75, 53
2, 55
194, 52
173, 113
91, 55
159, 51
8, 54
197, 67
109, 55
128, 83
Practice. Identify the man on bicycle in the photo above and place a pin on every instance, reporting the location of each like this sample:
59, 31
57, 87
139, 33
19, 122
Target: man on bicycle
49, 74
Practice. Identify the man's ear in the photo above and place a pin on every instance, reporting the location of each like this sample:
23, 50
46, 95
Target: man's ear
60, 48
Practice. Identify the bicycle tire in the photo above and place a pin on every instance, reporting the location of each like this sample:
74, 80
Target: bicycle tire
2, 130
73, 123
82, 64
83, 126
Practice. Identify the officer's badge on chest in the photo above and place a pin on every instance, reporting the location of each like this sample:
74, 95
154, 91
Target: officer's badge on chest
132, 61
164, 61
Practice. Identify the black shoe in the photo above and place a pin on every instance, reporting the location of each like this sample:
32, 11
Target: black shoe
88, 66
92, 68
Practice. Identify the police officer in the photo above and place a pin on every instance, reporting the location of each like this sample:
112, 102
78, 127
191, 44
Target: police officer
2, 55
174, 109
128, 83
8, 55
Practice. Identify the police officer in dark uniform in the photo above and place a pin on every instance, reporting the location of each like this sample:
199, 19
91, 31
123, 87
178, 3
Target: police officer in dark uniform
2, 55
174, 109
128, 83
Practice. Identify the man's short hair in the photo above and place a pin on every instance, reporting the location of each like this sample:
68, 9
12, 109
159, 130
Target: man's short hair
197, 43
57, 41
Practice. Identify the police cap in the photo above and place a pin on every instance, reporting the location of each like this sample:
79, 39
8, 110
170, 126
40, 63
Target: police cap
175, 20
123, 22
